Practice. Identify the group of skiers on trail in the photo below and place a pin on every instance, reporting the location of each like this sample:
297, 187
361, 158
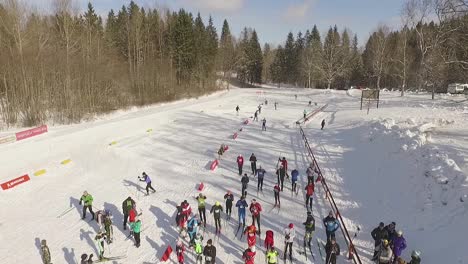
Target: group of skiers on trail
390, 244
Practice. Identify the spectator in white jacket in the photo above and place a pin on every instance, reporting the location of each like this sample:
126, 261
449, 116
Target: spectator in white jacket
289, 234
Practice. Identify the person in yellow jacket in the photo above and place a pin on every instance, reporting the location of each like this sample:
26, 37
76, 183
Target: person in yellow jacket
201, 208
272, 256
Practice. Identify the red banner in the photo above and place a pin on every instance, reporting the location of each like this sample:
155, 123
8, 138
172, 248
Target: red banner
14, 182
31, 132
214, 164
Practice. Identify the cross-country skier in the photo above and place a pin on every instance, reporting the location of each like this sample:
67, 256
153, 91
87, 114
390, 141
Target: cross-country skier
237, 110
259, 109
305, 113
310, 103
309, 229
229, 198
253, 163
255, 209
221, 150
100, 238
309, 195
201, 208
295, 97
209, 252
269, 239
199, 248
192, 228
294, 177
331, 225
415, 257
378, 234
244, 180
180, 249
281, 172
136, 228
87, 199
272, 256
289, 234
86, 260
311, 172
323, 124
276, 104
216, 210
266, 102
249, 255
240, 163
45, 252
241, 207
178, 217
264, 124
251, 234
108, 226
332, 250
399, 244
276, 191
385, 255
284, 162
255, 116
147, 179
127, 205
260, 175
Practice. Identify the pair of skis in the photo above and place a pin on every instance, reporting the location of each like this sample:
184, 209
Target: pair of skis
105, 259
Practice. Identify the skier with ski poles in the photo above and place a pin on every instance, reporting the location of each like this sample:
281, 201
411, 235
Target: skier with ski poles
147, 179
284, 162
281, 172
260, 175
311, 172
309, 229
87, 199
192, 228
276, 104
229, 198
136, 227
269, 241
323, 124
99, 239
201, 207
209, 252
255, 209
251, 234
294, 177
310, 188
276, 191
253, 164
216, 210
249, 255
108, 226
199, 248
244, 180
289, 234
127, 205
255, 116
272, 256
378, 234
331, 225
240, 163
241, 208
180, 249
45, 252
264, 124
332, 250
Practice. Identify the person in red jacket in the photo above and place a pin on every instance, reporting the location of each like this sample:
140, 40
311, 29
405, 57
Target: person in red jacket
180, 249
255, 209
186, 212
284, 162
309, 195
276, 191
249, 255
269, 239
240, 163
251, 234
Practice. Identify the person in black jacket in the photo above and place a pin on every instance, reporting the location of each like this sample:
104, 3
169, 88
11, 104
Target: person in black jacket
127, 205
333, 250
378, 234
281, 172
229, 197
244, 181
253, 163
209, 252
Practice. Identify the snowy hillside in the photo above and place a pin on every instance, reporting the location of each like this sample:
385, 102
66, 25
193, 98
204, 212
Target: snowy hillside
405, 162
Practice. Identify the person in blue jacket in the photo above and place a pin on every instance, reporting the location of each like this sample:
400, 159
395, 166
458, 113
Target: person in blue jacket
294, 176
241, 205
192, 228
331, 225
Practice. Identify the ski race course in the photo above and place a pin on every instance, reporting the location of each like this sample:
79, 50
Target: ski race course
405, 162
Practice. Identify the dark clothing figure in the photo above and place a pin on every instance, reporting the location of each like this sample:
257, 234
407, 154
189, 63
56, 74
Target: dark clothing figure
245, 180
253, 164
229, 198
147, 179
255, 116
264, 124
276, 191
237, 110
281, 173
127, 205
378, 234
216, 210
323, 124
276, 105
333, 250
209, 252
86, 260
260, 175
45, 252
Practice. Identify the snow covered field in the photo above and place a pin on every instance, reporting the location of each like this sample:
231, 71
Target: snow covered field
405, 162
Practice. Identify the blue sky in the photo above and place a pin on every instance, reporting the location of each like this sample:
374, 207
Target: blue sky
273, 19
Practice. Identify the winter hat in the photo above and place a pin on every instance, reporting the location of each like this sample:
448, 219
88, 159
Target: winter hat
209, 242
330, 213
381, 224
217, 204
200, 195
84, 256
43, 242
254, 201
416, 253
291, 225
385, 242
185, 201
400, 233
144, 173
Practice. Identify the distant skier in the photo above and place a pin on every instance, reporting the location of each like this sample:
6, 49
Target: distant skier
240, 163
378, 234
294, 177
269, 241
281, 172
209, 252
309, 229
310, 103
284, 162
323, 124
185, 214
251, 234
136, 227
276, 191
332, 249
266, 102
108, 226
386, 254
87, 199
305, 114
147, 179
86, 260
255, 116
415, 257
264, 124
192, 228
201, 199
295, 97
272, 256
241, 208
237, 109
259, 109
45, 252
255, 209
180, 249
253, 163
331, 225
221, 151
229, 198
310, 188
216, 210
399, 244
127, 205
244, 180
311, 172
276, 104
260, 175
99, 239
289, 234
178, 217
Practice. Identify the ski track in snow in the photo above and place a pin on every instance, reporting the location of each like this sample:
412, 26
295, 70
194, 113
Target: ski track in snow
404, 162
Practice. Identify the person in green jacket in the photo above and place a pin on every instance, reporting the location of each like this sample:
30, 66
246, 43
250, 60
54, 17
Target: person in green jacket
136, 228
87, 199
45, 252
100, 238
272, 256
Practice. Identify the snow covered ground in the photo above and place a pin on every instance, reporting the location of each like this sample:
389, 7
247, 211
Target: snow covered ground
405, 162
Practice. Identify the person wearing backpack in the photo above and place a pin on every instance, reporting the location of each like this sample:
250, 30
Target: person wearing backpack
127, 205
249, 255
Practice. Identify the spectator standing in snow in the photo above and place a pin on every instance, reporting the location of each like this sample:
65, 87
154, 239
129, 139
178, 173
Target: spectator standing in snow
333, 250
264, 124
289, 234
281, 172
253, 163
209, 252
386, 253
378, 234
390, 228
284, 162
311, 171
45, 252
399, 244
147, 179
260, 175
276, 105
240, 163
136, 227
323, 124
237, 110
87, 199
331, 225
229, 198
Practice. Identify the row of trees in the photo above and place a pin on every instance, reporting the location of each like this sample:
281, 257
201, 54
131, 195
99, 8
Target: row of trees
422, 54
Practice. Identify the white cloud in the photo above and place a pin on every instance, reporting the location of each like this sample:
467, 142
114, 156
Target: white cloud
298, 11
217, 5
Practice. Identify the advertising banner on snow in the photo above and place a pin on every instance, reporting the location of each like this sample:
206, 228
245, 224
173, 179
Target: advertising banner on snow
12, 183
31, 132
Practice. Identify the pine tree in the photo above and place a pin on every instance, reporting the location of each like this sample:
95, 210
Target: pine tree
291, 65
278, 67
311, 57
255, 59
226, 50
